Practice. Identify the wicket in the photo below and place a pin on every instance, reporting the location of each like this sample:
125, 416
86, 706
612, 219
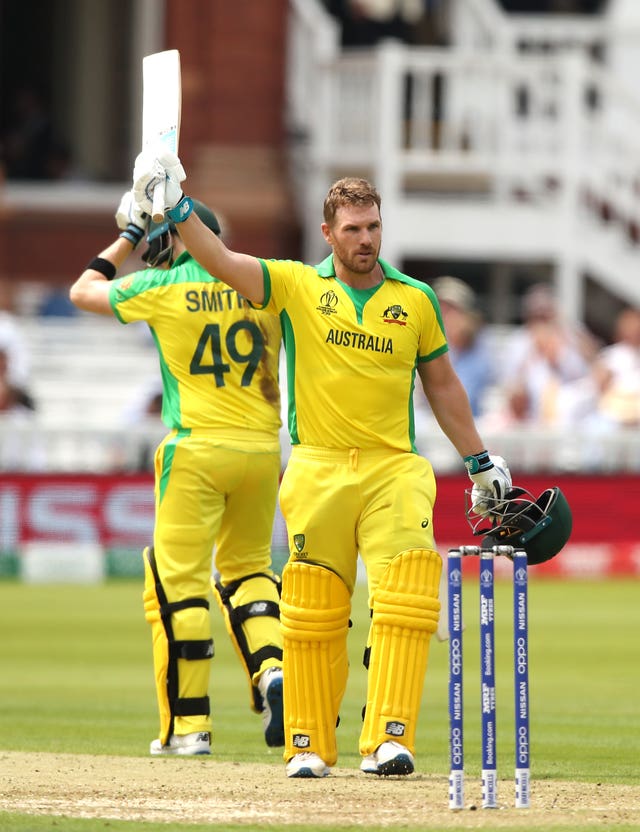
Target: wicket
487, 675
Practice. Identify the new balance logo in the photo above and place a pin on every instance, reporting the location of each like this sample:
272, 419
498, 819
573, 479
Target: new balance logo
258, 608
301, 741
396, 729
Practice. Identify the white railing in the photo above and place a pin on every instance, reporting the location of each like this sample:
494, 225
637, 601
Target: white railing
539, 149
30, 449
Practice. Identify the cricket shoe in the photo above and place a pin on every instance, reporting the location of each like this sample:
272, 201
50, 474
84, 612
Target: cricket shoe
187, 745
388, 758
307, 764
270, 687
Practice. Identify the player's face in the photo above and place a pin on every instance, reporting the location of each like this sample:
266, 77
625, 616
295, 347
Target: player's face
355, 237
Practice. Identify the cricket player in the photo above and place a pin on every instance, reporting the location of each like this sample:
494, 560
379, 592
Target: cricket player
216, 473
356, 332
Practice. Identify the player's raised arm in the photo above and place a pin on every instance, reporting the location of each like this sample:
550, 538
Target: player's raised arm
90, 292
240, 271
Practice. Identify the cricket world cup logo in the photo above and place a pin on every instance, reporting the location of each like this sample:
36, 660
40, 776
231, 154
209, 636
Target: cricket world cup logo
486, 578
455, 577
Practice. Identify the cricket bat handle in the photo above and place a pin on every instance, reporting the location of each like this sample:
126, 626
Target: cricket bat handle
157, 213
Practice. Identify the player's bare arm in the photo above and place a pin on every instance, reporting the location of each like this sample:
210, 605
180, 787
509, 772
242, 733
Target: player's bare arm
240, 271
91, 290
450, 404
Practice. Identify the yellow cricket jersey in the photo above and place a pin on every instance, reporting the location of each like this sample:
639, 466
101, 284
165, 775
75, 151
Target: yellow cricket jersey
218, 355
352, 354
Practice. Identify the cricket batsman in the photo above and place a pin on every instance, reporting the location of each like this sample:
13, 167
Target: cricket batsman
358, 333
216, 473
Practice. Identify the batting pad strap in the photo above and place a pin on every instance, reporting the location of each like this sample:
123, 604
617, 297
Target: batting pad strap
269, 651
250, 607
194, 649
227, 591
194, 706
254, 609
167, 609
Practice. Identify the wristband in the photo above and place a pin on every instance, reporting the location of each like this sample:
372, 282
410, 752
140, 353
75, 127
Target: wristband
476, 463
133, 233
181, 211
105, 267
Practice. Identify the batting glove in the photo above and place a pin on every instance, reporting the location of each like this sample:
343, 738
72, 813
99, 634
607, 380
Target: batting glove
152, 166
491, 480
131, 219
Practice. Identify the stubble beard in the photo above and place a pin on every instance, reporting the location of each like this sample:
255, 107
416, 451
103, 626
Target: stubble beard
361, 262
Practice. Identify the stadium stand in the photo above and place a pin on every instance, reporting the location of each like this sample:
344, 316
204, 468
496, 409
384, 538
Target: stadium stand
85, 372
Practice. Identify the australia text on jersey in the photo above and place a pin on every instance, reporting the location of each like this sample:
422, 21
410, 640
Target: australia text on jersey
359, 341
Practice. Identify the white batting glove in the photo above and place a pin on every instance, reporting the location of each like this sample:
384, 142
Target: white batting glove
156, 165
491, 480
131, 219
129, 212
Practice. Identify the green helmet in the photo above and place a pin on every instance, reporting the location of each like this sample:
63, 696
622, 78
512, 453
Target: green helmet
159, 234
541, 527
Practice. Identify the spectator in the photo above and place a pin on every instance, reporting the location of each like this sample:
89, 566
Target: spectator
617, 372
147, 403
469, 346
145, 408
13, 400
19, 451
13, 345
547, 365
433, 28
367, 22
56, 304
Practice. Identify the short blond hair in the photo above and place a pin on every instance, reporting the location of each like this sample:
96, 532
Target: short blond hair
351, 190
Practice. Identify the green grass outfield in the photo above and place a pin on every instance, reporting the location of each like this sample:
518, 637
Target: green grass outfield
76, 677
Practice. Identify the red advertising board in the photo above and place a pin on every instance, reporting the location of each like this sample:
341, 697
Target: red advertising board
605, 539
117, 511
112, 510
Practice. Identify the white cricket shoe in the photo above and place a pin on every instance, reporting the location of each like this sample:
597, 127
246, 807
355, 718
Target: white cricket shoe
183, 745
388, 758
307, 764
270, 687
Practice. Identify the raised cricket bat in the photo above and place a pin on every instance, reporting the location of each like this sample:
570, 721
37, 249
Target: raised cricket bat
161, 109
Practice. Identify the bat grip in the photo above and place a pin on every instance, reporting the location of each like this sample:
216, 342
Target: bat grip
157, 213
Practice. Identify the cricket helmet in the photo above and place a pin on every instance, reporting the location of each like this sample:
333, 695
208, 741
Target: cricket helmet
540, 526
159, 235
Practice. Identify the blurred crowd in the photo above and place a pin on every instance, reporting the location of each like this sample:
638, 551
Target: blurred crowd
16, 401
542, 373
545, 373
426, 22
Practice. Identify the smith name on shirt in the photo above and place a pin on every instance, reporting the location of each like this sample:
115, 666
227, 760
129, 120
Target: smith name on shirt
216, 300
